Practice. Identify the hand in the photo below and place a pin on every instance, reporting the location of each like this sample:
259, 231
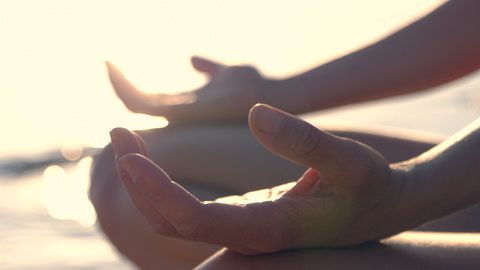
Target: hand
229, 94
348, 196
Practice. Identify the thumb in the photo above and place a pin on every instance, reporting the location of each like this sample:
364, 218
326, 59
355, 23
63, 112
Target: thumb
294, 139
206, 66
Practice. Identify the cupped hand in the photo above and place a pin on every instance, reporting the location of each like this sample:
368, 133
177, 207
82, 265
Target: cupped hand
228, 95
349, 195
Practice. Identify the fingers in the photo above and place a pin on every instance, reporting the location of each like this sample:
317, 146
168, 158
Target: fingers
171, 200
300, 142
215, 223
141, 144
177, 107
134, 99
125, 142
206, 66
171, 210
306, 183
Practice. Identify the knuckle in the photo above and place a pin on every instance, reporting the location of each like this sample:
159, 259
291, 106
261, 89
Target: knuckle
189, 226
273, 238
306, 141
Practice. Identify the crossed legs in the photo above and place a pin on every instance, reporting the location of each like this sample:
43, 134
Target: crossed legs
411, 250
214, 161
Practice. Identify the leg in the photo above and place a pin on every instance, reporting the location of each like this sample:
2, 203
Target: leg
211, 162
232, 154
411, 250
127, 230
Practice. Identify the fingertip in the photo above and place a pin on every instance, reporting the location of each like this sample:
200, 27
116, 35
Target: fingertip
124, 141
265, 119
256, 107
199, 59
252, 115
117, 130
194, 58
115, 137
118, 80
117, 133
205, 65
198, 63
111, 68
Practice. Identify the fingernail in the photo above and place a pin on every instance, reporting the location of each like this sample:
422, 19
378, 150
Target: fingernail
124, 175
127, 167
267, 120
115, 139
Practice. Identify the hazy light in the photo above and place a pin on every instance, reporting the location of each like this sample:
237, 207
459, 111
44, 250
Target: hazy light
72, 151
62, 54
65, 194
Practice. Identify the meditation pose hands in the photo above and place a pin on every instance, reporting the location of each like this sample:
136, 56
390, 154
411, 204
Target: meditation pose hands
230, 92
349, 194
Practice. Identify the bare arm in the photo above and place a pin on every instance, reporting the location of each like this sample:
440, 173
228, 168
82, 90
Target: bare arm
438, 48
405, 251
445, 178
348, 196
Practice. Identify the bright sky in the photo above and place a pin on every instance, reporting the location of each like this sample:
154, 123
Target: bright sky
53, 84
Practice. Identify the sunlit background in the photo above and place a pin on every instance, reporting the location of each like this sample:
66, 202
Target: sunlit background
53, 84
55, 95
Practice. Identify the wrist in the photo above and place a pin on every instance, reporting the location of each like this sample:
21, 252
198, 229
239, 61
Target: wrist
289, 95
395, 215
408, 208
419, 201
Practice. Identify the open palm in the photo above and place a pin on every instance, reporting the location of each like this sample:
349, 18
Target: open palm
348, 196
230, 92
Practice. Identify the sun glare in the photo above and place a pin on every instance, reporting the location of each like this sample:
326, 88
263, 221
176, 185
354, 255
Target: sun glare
65, 195
53, 77
71, 151
55, 88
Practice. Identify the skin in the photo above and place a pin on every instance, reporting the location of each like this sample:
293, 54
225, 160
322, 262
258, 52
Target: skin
124, 225
130, 234
438, 48
411, 250
347, 188
244, 84
333, 195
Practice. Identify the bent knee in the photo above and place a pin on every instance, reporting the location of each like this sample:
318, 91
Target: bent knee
103, 179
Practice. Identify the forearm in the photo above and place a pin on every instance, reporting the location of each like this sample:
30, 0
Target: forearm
405, 251
438, 48
446, 178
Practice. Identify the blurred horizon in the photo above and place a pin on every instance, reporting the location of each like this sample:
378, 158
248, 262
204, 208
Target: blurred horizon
54, 89
57, 102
